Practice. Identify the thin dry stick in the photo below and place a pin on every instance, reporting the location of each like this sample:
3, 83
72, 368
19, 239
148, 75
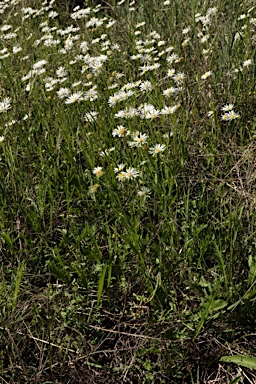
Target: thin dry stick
131, 334
37, 339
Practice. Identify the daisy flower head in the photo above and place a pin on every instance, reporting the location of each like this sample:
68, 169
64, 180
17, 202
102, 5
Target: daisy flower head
225, 117
119, 168
77, 96
170, 72
146, 86
212, 11
121, 176
76, 83
131, 173
5, 27
2, 139
246, 63
172, 58
61, 72
160, 43
91, 94
144, 192
39, 64
113, 86
25, 117
242, 17
113, 100
158, 148
98, 172
145, 108
140, 24
169, 110
206, 74
206, 51
138, 140
63, 92
205, 38
185, 42
5, 105
120, 131
179, 77
230, 116
233, 115
170, 91
154, 113
16, 49
186, 30
227, 107
120, 114
169, 49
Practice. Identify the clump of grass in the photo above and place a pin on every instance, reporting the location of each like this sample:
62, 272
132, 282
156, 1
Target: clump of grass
127, 172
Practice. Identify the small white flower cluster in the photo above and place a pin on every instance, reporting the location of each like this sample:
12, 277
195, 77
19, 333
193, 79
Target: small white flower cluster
5, 104
122, 175
207, 19
80, 13
119, 96
229, 113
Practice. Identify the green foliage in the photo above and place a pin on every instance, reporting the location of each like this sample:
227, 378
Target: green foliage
127, 199
244, 361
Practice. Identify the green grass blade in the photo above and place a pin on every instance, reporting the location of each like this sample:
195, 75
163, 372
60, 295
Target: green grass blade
17, 285
101, 282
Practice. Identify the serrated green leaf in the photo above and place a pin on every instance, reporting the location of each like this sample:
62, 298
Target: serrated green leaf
245, 361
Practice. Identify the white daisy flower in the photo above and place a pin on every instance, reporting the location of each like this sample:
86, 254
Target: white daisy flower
120, 131
206, 74
144, 192
119, 168
98, 172
5, 105
138, 140
170, 91
227, 107
63, 92
156, 149
179, 77
74, 97
121, 176
247, 63
61, 72
169, 110
131, 173
172, 58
